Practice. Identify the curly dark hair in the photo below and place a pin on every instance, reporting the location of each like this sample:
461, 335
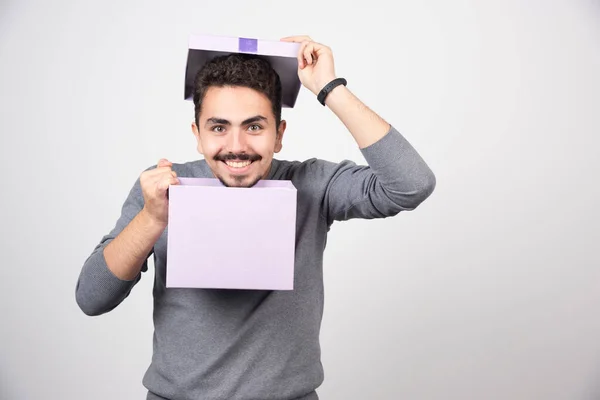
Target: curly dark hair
239, 69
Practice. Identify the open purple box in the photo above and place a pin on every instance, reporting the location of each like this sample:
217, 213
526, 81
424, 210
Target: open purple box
281, 55
231, 238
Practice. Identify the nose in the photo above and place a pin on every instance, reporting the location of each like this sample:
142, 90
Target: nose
237, 141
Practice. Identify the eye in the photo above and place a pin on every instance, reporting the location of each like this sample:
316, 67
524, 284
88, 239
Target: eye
218, 129
255, 128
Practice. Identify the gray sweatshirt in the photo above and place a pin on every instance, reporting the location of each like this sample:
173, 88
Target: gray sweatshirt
253, 344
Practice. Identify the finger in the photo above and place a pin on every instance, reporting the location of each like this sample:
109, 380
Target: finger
319, 48
166, 176
301, 57
163, 184
154, 174
163, 162
296, 39
308, 53
150, 176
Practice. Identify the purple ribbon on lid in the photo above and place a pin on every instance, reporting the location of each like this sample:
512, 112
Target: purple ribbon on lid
248, 45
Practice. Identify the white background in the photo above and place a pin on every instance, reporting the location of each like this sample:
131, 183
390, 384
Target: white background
489, 290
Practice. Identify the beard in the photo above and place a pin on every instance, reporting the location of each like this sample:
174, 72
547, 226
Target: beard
238, 181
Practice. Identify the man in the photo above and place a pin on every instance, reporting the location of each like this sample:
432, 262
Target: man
251, 344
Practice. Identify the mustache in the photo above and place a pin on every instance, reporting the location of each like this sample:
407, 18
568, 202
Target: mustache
239, 156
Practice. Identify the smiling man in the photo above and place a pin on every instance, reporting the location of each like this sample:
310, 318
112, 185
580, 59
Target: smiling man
238, 142
252, 344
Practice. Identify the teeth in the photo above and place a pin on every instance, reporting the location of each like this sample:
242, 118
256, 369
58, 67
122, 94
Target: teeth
238, 164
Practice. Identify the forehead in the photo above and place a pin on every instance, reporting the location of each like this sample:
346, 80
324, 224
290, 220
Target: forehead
234, 103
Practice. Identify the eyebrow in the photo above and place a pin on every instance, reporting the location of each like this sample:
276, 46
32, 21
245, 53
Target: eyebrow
221, 121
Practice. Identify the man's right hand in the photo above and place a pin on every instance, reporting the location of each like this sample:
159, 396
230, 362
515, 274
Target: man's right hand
125, 255
155, 184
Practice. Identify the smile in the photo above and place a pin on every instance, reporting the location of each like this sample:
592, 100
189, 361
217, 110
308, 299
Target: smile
238, 166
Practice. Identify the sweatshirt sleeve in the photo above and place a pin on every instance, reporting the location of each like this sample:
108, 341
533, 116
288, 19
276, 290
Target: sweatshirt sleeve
98, 290
396, 179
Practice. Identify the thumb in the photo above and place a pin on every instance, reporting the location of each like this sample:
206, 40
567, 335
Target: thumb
163, 162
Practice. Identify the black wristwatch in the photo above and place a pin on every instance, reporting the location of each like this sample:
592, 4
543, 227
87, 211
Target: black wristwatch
329, 87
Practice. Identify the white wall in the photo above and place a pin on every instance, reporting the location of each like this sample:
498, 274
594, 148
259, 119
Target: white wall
490, 290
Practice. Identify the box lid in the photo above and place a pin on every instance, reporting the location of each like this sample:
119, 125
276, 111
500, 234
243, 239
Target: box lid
281, 55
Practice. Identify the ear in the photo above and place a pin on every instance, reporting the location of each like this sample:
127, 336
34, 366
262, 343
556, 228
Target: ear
279, 137
196, 133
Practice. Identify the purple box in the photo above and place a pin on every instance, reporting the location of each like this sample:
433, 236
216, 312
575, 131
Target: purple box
231, 238
281, 55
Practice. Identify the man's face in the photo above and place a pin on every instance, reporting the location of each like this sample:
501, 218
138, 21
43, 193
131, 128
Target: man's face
236, 133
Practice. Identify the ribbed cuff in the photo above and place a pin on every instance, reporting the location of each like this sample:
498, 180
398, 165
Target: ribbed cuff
100, 290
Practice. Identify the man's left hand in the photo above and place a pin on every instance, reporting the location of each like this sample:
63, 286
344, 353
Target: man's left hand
315, 63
